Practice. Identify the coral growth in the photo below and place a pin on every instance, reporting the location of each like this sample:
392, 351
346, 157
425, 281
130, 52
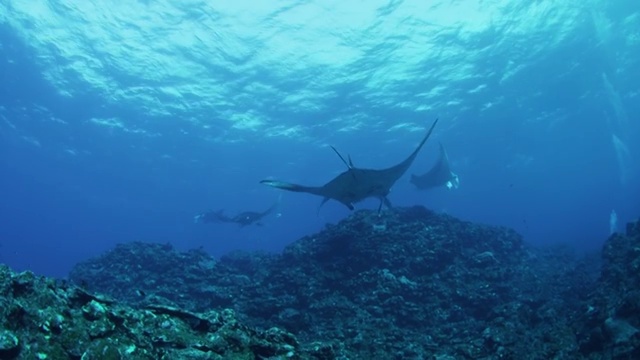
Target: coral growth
409, 284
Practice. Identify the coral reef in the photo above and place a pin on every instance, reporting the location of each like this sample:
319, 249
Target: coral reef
610, 320
43, 318
408, 284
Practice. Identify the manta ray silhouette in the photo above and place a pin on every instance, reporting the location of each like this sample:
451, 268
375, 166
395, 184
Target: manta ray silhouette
355, 184
439, 175
243, 219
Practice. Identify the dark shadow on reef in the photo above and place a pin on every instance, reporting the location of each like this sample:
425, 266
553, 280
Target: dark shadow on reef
409, 284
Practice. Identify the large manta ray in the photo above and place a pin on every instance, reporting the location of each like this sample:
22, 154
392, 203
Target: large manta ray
439, 175
356, 184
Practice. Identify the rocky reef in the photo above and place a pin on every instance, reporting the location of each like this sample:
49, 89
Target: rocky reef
409, 284
609, 324
43, 318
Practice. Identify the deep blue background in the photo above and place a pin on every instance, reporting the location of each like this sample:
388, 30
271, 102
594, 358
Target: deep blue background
57, 209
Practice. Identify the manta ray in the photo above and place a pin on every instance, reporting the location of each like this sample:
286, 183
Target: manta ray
249, 217
243, 219
439, 175
356, 184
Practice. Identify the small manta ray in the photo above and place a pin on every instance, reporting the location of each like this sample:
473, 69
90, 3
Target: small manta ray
439, 175
243, 219
355, 184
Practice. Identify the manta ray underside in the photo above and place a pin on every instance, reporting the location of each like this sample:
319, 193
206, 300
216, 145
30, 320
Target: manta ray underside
439, 175
355, 184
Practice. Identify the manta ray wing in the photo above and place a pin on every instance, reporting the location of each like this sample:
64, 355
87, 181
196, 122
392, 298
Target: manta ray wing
439, 175
292, 187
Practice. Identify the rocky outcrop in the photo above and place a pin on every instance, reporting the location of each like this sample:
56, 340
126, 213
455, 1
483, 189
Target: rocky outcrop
609, 325
409, 284
43, 318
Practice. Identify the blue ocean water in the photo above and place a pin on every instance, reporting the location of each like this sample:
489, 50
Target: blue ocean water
120, 121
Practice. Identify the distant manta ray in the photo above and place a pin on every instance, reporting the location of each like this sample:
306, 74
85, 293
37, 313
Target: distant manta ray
439, 175
354, 184
243, 219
